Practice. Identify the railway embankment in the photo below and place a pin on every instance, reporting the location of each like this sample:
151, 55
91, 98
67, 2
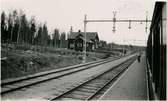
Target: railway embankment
18, 62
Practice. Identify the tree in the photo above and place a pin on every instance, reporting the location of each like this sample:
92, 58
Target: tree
44, 36
56, 37
38, 36
49, 43
32, 31
4, 34
10, 27
23, 29
15, 30
14, 26
63, 40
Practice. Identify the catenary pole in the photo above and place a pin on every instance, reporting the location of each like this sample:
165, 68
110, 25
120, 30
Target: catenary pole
84, 48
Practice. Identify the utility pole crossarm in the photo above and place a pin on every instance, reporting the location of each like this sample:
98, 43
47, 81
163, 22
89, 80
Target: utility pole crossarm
121, 20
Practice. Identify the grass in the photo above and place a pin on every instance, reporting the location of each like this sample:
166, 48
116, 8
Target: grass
26, 62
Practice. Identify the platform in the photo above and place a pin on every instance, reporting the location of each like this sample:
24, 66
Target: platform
132, 85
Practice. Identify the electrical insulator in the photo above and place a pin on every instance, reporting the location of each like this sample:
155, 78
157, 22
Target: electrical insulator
113, 30
146, 29
129, 24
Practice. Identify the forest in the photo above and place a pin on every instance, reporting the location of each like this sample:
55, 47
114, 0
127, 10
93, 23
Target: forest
17, 29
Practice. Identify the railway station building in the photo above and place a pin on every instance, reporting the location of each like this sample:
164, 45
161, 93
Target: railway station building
76, 41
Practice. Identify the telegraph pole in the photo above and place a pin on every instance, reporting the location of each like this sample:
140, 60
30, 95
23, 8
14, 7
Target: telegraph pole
84, 45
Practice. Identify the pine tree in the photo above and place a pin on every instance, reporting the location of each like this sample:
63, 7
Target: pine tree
23, 33
44, 35
56, 37
10, 27
32, 31
62, 40
4, 34
14, 26
39, 36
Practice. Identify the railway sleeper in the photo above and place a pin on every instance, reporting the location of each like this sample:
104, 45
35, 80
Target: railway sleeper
89, 88
94, 85
81, 93
85, 90
68, 98
74, 96
99, 81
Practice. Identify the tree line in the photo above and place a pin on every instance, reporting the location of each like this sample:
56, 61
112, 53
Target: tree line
17, 29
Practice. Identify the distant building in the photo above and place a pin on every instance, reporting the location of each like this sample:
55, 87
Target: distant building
76, 40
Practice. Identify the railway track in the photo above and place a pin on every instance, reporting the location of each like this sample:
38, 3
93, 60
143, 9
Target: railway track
93, 88
16, 84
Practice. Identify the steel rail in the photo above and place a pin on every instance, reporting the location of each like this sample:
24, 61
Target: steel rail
47, 79
6, 82
89, 80
100, 89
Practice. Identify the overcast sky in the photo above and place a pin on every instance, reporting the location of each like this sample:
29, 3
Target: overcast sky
62, 14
